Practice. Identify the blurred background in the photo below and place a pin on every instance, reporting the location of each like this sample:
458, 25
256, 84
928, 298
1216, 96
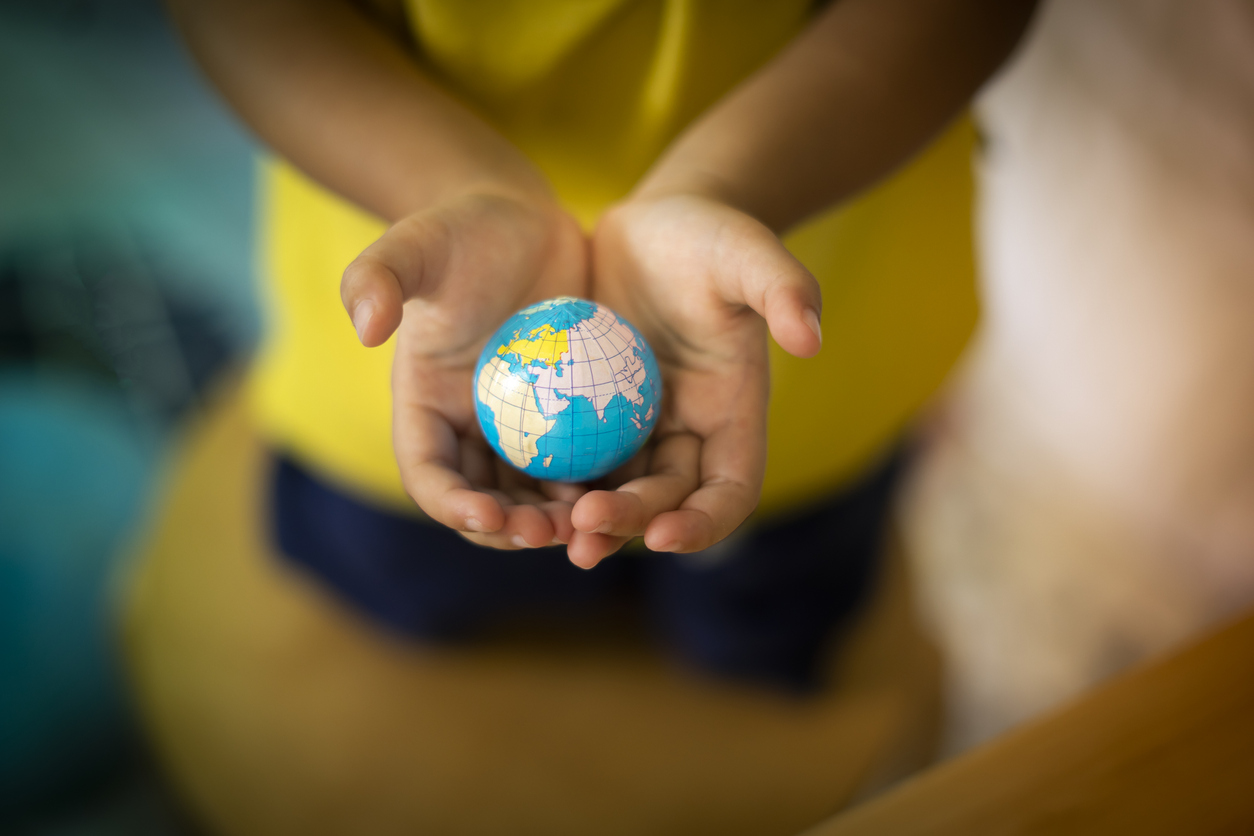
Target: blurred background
126, 286
127, 267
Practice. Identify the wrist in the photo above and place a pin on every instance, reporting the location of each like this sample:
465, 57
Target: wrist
688, 182
673, 180
519, 182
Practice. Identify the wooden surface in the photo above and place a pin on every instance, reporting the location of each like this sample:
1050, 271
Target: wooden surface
1168, 749
278, 710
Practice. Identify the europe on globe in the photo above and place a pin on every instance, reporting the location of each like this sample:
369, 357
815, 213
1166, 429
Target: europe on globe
567, 390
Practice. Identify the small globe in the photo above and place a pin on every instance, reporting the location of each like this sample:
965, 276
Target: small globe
567, 390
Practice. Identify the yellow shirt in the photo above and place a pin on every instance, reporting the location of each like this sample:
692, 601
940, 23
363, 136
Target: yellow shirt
592, 91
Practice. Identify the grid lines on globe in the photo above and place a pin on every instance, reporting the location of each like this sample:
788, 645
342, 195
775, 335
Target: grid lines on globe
551, 383
599, 349
519, 421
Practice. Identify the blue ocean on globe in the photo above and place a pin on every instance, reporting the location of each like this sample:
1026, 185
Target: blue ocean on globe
567, 390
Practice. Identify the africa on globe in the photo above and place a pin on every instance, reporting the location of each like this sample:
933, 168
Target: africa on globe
567, 390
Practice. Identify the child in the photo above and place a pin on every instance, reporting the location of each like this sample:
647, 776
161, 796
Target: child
491, 137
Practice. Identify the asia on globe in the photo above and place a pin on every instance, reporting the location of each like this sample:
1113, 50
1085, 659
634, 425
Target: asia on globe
566, 390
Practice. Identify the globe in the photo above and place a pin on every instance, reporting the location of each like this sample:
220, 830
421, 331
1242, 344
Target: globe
567, 390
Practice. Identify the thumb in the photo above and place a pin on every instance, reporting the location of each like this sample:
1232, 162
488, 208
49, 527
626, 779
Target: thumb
405, 263
784, 293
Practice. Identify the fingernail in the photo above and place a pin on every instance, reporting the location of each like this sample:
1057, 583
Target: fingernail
474, 525
603, 528
518, 541
361, 317
811, 317
669, 547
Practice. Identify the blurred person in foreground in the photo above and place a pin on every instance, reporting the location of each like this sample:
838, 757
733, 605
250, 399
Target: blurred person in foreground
463, 160
1086, 498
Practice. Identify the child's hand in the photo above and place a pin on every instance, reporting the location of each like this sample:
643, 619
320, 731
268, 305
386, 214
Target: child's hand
457, 271
703, 282
340, 96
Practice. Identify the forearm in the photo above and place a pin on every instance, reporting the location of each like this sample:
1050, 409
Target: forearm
864, 87
334, 94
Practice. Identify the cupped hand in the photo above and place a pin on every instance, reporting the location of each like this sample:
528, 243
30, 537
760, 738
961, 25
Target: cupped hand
445, 279
703, 282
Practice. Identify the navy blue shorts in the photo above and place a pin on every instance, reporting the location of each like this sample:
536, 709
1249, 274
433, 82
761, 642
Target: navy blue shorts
762, 605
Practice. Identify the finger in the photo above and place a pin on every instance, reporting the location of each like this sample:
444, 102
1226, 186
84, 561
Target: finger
527, 524
525, 527
625, 512
500, 496
708, 516
406, 262
476, 464
563, 491
587, 550
446, 497
633, 468
427, 452
526, 496
554, 498
771, 281
520, 487
558, 513
733, 461
511, 537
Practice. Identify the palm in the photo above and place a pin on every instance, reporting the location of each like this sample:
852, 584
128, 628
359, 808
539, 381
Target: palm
500, 255
695, 277
662, 271
464, 267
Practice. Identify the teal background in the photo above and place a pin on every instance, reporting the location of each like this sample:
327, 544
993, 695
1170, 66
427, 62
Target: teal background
108, 134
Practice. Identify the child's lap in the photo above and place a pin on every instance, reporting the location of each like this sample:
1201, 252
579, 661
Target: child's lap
278, 708
760, 606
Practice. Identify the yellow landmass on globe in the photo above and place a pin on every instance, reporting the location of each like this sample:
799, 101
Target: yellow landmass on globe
518, 421
542, 345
